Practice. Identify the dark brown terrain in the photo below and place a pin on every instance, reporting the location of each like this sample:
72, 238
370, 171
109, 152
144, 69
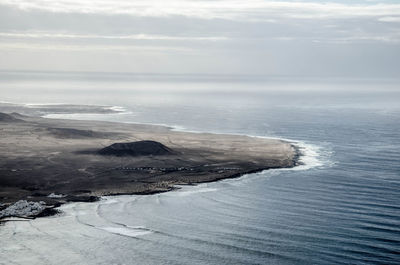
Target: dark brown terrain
86, 159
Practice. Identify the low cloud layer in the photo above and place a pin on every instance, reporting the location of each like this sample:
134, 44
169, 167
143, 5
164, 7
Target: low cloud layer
359, 38
250, 10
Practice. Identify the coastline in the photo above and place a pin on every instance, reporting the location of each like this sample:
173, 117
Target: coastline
56, 209
171, 183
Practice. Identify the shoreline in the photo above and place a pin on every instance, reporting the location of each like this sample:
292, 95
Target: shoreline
297, 144
54, 209
203, 157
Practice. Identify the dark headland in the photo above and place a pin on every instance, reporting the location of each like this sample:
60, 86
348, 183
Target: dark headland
56, 161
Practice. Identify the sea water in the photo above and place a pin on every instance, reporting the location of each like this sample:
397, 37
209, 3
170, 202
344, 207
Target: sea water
340, 207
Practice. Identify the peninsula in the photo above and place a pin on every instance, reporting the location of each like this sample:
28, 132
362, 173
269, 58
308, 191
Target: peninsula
47, 162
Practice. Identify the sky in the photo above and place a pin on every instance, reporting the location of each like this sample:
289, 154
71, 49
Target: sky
253, 37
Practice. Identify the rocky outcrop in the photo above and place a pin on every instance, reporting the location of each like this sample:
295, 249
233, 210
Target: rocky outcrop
23, 208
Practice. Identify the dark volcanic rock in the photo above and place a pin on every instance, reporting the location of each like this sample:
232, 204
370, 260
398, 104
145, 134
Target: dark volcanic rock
140, 148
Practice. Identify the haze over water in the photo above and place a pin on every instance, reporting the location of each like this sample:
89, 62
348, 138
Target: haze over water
341, 207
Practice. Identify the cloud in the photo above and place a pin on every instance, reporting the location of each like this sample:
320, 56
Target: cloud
232, 36
390, 19
197, 21
251, 10
52, 35
7, 46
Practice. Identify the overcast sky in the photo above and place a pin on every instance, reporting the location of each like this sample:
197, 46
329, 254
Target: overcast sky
329, 38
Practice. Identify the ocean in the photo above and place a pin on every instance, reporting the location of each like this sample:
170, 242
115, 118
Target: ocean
340, 207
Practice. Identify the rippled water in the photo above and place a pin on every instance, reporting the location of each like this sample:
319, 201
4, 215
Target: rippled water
341, 207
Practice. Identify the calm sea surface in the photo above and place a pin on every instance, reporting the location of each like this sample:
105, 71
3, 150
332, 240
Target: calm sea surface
341, 207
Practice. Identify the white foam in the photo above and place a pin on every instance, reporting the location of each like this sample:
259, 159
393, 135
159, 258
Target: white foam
117, 109
43, 104
127, 231
7, 102
194, 190
86, 116
310, 156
